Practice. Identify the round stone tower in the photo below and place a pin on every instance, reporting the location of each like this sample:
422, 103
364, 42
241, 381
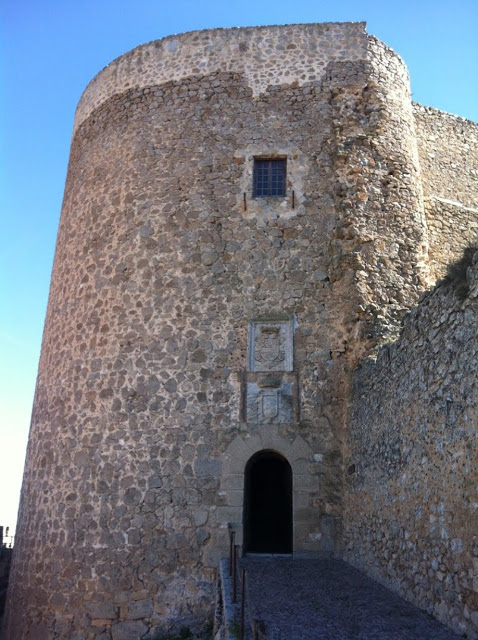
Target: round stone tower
242, 224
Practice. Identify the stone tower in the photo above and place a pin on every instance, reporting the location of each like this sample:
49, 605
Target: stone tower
243, 222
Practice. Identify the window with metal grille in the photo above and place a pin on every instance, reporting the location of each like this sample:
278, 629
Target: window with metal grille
269, 177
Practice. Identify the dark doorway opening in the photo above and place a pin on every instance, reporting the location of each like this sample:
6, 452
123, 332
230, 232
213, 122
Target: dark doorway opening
268, 504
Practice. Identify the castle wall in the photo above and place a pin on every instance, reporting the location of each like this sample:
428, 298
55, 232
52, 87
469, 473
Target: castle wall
148, 403
296, 53
379, 243
410, 506
161, 265
448, 147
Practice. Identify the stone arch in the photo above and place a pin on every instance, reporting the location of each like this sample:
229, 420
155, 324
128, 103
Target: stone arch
306, 523
267, 513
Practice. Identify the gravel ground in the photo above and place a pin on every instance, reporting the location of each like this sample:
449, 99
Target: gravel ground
327, 599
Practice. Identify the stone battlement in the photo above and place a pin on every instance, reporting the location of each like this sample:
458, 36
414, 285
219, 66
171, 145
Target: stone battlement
266, 56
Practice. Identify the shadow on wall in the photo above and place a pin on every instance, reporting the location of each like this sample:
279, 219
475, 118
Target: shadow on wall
6, 553
456, 273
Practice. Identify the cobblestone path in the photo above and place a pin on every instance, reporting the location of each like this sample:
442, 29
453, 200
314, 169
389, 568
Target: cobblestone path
327, 599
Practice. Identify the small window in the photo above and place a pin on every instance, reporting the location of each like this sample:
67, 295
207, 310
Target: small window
269, 177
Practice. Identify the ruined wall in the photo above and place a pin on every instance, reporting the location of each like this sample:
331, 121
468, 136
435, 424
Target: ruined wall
411, 505
448, 147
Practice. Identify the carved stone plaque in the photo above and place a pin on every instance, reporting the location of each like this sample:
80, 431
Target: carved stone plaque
270, 346
266, 406
270, 403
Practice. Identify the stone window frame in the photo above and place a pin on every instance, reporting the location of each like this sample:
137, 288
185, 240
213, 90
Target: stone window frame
271, 208
262, 159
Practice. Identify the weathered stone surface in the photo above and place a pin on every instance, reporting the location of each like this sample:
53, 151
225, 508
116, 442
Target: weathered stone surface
104, 610
128, 630
448, 147
411, 507
142, 609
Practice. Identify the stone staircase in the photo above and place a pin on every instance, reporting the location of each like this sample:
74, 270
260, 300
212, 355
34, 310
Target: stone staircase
319, 599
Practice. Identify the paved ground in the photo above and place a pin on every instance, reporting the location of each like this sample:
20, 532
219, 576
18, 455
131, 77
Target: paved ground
328, 599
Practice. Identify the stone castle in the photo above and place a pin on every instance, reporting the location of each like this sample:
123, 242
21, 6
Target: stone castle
249, 216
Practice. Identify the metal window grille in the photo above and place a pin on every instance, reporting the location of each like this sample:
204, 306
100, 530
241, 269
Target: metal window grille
269, 177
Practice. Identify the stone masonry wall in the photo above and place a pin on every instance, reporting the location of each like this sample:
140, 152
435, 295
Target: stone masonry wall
411, 503
296, 53
141, 428
448, 147
380, 242
159, 270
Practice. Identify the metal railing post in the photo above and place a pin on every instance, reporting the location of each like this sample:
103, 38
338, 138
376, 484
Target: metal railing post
234, 574
243, 602
232, 535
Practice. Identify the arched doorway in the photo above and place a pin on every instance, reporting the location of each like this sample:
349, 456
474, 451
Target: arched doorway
268, 504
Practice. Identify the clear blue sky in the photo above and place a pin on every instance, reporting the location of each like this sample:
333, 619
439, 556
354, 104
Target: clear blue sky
50, 49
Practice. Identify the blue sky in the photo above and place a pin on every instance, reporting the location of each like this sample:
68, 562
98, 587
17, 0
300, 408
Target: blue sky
50, 50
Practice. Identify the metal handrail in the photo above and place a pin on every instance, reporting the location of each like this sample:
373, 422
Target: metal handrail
234, 574
232, 538
243, 603
236, 577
